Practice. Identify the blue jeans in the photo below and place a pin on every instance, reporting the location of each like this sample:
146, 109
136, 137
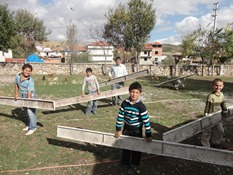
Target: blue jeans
91, 105
117, 99
31, 114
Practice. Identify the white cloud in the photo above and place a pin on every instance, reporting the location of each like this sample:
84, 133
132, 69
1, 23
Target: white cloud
57, 14
175, 39
187, 24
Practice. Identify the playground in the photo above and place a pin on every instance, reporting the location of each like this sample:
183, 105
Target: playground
45, 153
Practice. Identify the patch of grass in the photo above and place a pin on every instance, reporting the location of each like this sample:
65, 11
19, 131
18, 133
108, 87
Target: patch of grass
167, 108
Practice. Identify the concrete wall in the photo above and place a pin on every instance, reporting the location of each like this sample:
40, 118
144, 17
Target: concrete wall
61, 68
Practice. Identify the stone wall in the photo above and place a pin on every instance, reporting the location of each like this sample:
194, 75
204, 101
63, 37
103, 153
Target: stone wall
99, 69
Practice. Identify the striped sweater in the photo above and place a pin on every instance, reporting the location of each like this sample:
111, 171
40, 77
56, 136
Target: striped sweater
134, 116
214, 103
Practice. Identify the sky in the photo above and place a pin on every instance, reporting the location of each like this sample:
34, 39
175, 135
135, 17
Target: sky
174, 18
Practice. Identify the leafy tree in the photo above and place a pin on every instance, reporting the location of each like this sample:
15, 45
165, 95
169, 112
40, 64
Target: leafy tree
199, 43
142, 20
213, 46
226, 44
129, 26
7, 28
31, 29
115, 29
71, 42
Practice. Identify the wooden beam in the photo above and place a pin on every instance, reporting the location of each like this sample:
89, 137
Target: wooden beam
177, 150
190, 129
125, 78
80, 99
27, 102
168, 81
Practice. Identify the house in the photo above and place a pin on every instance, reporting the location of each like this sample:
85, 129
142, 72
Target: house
5, 55
152, 53
101, 51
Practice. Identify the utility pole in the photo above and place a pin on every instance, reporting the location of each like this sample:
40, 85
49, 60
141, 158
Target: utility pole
215, 16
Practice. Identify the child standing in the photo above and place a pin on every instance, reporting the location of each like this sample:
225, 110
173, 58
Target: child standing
215, 102
93, 87
25, 84
115, 71
134, 115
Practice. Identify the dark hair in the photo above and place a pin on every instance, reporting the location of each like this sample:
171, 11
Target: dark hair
27, 66
88, 69
216, 80
117, 58
135, 85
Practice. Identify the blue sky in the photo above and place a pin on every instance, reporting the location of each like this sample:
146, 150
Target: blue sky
175, 18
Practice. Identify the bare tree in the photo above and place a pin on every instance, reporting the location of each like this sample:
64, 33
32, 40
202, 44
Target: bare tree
71, 42
96, 33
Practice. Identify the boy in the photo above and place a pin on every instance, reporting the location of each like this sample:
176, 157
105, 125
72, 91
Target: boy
215, 102
25, 84
134, 115
115, 71
93, 87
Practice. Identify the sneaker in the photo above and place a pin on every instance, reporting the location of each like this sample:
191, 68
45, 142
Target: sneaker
133, 170
94, 112
86, 113
217, 146
30, 132
25, 129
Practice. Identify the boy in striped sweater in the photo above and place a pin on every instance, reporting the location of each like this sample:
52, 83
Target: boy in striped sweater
134, 115
215, 102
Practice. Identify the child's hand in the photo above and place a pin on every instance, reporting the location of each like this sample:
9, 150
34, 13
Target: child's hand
117, 134
149, 139
16, 97
98, 92
83, 94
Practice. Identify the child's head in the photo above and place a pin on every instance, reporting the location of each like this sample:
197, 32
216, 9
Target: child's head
27, 69
217, 85
118, 60
135, 90
88, 71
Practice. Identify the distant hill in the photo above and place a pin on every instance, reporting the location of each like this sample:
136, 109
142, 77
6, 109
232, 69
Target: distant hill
170, 48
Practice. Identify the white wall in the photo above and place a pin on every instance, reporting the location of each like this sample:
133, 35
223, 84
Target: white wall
99, 53
4, 55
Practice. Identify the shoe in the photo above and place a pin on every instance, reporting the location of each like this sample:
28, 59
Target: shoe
133, 170
217, 146
86, 113
30, 132
94, 112
25, 129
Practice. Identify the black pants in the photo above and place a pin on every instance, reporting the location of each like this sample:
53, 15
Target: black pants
128, 156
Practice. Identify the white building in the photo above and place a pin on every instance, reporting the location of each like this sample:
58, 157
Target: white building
101, 52
4, 55
152, 53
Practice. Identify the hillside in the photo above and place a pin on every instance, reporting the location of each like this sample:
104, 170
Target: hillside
170, 48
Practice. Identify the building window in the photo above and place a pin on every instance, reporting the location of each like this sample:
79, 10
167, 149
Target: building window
156, 52
145, 52
145, 59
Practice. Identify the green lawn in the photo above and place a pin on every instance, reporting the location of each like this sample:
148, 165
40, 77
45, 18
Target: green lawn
167, 108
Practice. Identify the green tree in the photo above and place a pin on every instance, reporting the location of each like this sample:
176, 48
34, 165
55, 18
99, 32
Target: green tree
30, 29
129, 26
199, 43
142, 20
115, 29
7, 28
226, 44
